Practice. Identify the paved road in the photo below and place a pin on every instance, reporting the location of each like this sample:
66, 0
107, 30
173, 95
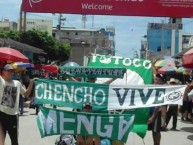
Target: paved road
29, 134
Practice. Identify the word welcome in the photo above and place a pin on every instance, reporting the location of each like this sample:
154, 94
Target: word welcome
55, 122
96, 7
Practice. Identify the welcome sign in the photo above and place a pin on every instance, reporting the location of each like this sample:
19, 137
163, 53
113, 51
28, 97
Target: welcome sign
106, 97
166, 8
56, 122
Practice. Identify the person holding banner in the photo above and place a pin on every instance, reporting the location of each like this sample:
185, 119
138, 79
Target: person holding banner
172, 110
97, 140
85, 140
10, 91
154, 121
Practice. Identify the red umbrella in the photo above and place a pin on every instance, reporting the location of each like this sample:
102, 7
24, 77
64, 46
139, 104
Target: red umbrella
187, 59
165, 62
50, 68
12, 55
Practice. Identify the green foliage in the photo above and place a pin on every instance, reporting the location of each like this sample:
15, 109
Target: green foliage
9, 34
55, 50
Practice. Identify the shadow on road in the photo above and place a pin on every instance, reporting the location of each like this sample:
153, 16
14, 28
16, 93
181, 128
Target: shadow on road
190, 137
187, 129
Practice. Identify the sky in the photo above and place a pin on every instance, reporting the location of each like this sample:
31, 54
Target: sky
129, 30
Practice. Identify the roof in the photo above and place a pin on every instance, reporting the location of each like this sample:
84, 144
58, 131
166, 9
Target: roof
179, 55
21, 46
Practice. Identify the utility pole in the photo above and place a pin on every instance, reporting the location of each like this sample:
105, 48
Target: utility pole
162, 36
24, 21
84, 19
21, 17
59, 26
135, 55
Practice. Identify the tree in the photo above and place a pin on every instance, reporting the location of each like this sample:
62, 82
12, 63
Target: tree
55, 50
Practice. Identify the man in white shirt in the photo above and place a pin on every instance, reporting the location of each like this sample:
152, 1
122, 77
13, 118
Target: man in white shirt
10, 91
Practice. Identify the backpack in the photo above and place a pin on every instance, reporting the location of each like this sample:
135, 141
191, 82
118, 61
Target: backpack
65, 140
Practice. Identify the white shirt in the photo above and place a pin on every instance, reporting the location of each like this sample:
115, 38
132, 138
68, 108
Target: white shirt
9, 96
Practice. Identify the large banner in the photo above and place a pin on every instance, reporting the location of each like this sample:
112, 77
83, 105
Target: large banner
106, 97
56, 122
165, 8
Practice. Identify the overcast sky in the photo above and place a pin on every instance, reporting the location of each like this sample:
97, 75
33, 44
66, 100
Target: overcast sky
128, 30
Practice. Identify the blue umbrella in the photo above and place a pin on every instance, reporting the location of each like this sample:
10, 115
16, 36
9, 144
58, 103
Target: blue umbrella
71, 64
22, 65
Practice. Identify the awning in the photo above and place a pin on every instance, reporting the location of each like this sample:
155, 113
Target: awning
21, 46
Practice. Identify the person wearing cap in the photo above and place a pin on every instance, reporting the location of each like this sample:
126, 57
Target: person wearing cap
172, 109
10, 91
85, 140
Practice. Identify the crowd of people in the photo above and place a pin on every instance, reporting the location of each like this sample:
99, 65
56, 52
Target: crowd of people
14, 91
160, 116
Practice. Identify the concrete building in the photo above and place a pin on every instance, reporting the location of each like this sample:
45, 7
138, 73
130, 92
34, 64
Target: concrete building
187, 41
86, 41
6, 24
44, 25
163, 38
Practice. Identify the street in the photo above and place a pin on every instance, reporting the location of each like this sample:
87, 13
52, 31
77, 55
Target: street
29, 133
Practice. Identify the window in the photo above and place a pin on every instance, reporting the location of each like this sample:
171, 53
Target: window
159, 48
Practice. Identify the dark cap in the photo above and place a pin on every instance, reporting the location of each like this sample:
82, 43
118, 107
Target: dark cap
87, 104
161, 77
8, 67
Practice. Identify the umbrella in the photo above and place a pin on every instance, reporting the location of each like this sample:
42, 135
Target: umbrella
165, 62
12, 55
71, 64
187, 59
21, 66
168, 69
50, 68
183, 70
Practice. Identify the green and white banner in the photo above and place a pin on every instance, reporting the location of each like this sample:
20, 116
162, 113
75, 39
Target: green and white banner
139, 71
92, 72
56, 122
106, 97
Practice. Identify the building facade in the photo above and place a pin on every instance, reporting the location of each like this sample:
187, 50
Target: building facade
44, 25
86, 41
163, 38
6, 24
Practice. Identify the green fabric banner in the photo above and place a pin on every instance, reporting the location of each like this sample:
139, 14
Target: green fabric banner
136, 68
92, 72
139, 72
71, 94
106, 97
56, 122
